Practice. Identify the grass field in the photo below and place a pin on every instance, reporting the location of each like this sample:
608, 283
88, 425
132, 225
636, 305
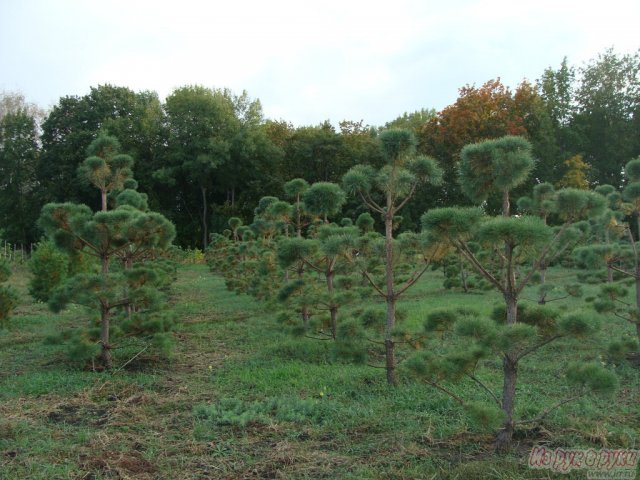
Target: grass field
240, 399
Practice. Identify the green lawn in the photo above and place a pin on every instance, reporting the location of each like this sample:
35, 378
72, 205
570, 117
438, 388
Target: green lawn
241, 399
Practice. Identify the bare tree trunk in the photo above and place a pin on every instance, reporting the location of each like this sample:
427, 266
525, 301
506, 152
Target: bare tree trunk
638, 299
333, 309
506, 206
463, 274
205, 235
105, 354
510, 377
505, 435
128, 308
542, 299
298, 217
390, 297
305, 308
103, 199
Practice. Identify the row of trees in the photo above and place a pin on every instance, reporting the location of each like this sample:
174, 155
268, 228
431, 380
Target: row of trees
205, 155
294, 256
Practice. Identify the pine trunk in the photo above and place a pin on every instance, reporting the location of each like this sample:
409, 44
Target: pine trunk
390, 298
542, 299
463, 274
103, 200
105, 354
506, 205
205, 233
638, 300
333, 310
304, 311
510, 377
505, 435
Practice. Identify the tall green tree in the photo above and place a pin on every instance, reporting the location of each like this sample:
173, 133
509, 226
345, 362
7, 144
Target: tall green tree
201, 124
19, 153
520, 245
608, 107
386, 192
135, 118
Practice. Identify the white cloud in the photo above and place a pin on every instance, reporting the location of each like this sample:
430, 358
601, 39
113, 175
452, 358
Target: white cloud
307, 62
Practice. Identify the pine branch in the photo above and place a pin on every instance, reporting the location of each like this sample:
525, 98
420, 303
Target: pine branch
370, 203
537, 346
444, 390
541, 258
373, 284
546, 412
486, 389
476, 263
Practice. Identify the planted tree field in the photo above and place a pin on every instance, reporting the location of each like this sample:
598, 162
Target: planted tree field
241, 398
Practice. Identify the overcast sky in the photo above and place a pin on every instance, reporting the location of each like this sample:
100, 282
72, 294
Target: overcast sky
305, 61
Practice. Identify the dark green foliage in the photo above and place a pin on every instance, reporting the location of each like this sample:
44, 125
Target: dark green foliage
241, 414
324, 199
578, 325
494, 165
365, 222
296, 187
453, 222
573, 204
133, 199
632, 170
49, 268
593, 377
8, 296
489, 417
524, 232
440, 320
397, 143
619, 349
19, 189
106, 168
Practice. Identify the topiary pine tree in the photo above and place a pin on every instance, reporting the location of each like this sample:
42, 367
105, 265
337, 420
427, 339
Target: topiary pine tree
622, 258
105, 168
461, 341
325, 255
105, 235
8, 296
129, 233
294, 190
396, 183
631, 192
498, 166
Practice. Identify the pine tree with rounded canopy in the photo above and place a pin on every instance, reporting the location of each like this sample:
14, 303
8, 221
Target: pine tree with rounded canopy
123, 231
520, 245
129, 233
327, 255
625, 261
386, 192
105, 168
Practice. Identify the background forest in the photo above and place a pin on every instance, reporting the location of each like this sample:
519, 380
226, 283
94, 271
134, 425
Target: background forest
205, 155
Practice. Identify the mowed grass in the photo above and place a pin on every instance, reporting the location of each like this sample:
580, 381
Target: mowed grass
242, 399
